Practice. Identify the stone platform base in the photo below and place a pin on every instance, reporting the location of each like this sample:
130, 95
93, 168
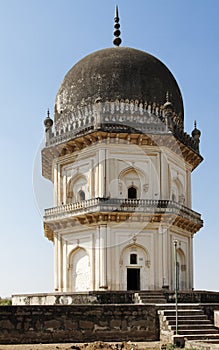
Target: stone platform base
112, 297
78, 323
93, 297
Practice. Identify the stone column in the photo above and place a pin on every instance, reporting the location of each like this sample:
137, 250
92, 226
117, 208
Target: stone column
96, 177
102, 256
164, 174
59, 185
65, 266
55, 187
93, 262
60, 264
188, 187
101, 167
56, 285
92, 180
190, 263
64, 199
166, 257
106, 175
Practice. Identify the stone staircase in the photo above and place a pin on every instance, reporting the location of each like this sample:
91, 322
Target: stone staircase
149, 297
193, 324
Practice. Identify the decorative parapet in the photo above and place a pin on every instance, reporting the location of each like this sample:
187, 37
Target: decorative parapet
114, 205
119, 117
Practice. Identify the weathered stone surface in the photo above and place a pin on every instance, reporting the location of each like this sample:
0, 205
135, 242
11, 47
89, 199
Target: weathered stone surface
86, 325
78, 323
116, 73
6, 324
52, 325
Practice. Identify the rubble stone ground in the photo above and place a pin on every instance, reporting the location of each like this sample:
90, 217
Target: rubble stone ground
85, 346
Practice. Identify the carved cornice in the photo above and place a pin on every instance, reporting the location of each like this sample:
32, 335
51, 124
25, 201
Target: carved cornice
93, 137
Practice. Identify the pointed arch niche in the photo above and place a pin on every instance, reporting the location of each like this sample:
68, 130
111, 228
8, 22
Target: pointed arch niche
181, 262
76, 189
131, 183
135, 268
79, 272
177, 193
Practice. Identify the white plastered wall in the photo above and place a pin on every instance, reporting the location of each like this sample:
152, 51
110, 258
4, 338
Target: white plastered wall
108, 170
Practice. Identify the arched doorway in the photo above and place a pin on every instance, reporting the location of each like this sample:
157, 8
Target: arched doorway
80, 270
181, 269
132, 192
135, 265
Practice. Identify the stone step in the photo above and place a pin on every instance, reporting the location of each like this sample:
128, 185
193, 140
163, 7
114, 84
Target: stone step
197, 331
193, 326
186, 319
189, 321
159, 291
150, 297
212, 341
152, 301
181, 312
206, 337
172, 306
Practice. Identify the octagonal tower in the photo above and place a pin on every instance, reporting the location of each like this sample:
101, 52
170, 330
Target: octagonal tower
120, 163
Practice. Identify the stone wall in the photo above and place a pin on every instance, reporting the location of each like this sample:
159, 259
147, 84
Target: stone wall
209, 309
94, 297
78, 323
193, 296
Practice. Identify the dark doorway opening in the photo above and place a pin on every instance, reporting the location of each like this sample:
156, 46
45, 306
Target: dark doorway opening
133, 279
132, 192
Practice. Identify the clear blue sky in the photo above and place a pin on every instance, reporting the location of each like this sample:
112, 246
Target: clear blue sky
40, 41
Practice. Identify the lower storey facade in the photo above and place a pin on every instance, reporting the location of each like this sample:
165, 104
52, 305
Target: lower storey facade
122, 257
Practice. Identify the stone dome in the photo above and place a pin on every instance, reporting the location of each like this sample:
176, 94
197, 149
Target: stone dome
118, 73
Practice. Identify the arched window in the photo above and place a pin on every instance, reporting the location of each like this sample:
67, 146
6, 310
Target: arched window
132, 192
133, 258
81, 196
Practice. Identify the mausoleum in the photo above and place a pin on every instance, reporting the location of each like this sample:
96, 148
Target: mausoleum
120, 163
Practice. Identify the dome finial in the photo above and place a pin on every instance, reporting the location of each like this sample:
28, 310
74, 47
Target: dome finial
117, 40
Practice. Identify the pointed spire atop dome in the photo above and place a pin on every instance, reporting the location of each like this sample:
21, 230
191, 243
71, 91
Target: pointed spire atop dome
117, 40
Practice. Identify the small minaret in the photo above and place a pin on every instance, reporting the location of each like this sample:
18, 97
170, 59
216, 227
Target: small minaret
48, 123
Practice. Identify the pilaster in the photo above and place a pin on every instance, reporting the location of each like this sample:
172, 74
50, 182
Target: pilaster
60, 264
101, 166
103, 256
56, 285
